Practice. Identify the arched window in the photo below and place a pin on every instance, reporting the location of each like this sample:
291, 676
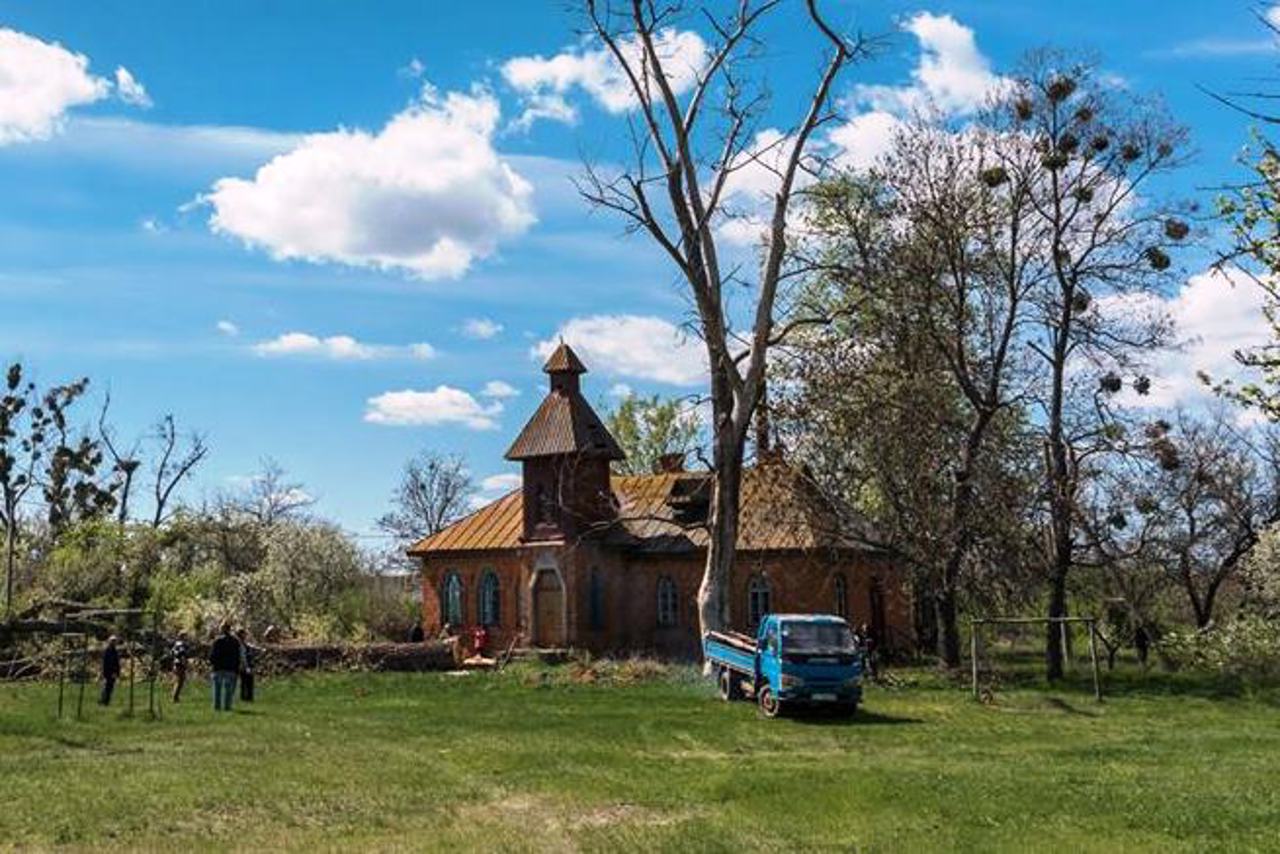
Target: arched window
490, 600
758, 599
596, 603
668, 602
841, 589
451, 599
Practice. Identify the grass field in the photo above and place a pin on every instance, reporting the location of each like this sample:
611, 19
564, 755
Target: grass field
529, 760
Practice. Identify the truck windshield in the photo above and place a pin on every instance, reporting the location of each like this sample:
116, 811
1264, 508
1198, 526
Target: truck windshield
817, 638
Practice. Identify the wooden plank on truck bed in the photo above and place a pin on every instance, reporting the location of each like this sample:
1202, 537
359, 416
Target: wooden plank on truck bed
734, 639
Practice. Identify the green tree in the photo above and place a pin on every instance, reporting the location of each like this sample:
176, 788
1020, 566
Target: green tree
649, 428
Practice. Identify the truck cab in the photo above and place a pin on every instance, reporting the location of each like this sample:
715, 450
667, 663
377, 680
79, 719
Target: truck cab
795, 660
808, 659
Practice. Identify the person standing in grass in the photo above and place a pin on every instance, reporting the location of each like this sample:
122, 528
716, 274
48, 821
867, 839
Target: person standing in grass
247, 655
110, 670
224, 661
180, 654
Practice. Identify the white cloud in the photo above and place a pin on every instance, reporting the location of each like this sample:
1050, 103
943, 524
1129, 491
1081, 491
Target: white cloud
952, 73
226, 327
621, 390
632, 346
151, 225
444, 405
500, 483
481, 328
1215, 315
130, 90
337, 347
498, 390
864, 139
591, 67
413, 69
428, 194
1219, 47
39, 82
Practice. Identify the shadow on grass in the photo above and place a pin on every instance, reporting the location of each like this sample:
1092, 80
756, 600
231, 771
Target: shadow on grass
863, 717
1130, 680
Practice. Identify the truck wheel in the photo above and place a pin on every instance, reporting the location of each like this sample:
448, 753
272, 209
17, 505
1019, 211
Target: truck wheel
770, 705
726, 684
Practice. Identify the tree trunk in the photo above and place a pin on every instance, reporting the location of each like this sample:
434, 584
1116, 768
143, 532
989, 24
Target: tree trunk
948, 628
1053, 651
713, 593
10, 562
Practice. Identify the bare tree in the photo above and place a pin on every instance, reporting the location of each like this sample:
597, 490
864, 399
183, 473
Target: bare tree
271, 496
1216, 490
1095, 151
176, 463
434, 491
125, 464
685, 153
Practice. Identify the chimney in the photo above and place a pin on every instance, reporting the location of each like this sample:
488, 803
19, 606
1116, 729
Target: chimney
669, 463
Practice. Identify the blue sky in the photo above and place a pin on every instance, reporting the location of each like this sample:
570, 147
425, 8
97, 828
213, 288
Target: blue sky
385, 284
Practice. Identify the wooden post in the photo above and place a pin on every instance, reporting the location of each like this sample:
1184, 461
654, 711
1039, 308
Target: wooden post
1093, 657
1062, 635
133, 658
84, 674
973, 654
62, 673
154, 666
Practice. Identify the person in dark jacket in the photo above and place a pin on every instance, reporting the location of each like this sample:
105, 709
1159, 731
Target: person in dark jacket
110, 670
416, 634
224, 661
247, 655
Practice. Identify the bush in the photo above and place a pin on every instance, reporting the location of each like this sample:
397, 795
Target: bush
1247, 647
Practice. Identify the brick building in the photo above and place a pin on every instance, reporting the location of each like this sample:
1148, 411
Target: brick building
581, 557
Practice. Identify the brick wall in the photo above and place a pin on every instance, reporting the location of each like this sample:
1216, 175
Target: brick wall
627, 594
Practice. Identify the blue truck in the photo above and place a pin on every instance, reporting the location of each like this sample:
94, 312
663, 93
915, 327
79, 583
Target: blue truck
794, 660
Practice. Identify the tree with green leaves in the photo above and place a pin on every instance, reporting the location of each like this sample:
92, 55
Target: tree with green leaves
907, 405
649, 428
38, 451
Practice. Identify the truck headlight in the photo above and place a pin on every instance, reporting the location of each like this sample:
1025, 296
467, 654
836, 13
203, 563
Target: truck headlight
789, 681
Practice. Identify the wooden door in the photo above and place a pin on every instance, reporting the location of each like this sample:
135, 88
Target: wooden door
548, 610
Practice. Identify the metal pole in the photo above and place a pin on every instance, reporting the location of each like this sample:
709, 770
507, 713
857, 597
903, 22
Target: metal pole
1093, 657
973, 654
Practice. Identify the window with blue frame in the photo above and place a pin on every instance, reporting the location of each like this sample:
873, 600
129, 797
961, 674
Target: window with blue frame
451, 599
490, 599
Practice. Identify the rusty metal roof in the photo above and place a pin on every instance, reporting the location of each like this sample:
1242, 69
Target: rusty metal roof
564, 361
564, 424
497, 525
781, 510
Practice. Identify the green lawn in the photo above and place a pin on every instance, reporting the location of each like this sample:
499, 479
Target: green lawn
528, 761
